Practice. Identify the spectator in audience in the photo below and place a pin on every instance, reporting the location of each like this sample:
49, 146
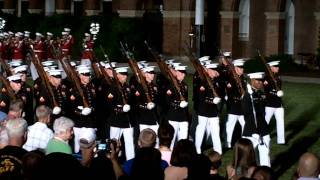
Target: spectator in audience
59, 165
147, 164
244, 160
63, 132
39, 134
308, 167
165, 135
183, 155
215, 159
264, 173
200, 168
106, 164
15, 111
147, 138
31, 163
11, 155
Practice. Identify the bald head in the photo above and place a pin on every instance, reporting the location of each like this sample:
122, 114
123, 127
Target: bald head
308, 165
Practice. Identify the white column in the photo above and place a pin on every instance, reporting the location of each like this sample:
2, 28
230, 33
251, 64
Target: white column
49, 7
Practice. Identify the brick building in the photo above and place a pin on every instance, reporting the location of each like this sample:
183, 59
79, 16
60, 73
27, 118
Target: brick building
241, 26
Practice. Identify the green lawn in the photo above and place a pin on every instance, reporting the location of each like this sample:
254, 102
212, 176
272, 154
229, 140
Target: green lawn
302, 123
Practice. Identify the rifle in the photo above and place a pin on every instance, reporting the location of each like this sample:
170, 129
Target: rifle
202, 73
137, 72
8, 87
72, 75
118, 84
270, 73
43, 77
96, 69
103, 71
166, 71
5, 66
234, 76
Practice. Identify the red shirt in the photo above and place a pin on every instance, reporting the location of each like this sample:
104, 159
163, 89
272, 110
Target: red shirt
38, 49
17, 51
88, 47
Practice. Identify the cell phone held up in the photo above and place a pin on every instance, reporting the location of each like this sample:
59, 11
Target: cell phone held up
104, 147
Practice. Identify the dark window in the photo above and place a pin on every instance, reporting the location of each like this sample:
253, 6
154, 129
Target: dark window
78, 8
24, 7
107, 7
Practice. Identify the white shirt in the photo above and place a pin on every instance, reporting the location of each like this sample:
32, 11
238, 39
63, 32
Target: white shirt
38, 136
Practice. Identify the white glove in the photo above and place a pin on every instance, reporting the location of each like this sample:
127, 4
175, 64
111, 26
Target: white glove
150, 105
86, 111
56, 110
126, 108
249, 89
216, 100
226, 97
183, 104
280, 93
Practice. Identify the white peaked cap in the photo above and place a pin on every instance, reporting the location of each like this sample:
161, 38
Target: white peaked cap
227, 54
5, 34
20, 68
1, 35
203, 63
175, 64
47, 63
67, 29
64, 33
15, 63
180, 68
273, 63
148, 69
87, 134
49, 34
142, 62
53, 67
121, 69
82, 70
204, 58
10, 33
212, 66
86, 34
82, 66
18, 35
170, 61
238, 62
26, 32
55, 72
14, 77
39, 34
256, 75
107, 65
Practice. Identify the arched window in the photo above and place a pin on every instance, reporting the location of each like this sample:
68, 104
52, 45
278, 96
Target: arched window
244, 20
289, 32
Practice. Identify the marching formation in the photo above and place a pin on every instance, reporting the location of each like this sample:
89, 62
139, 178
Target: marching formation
105, 103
